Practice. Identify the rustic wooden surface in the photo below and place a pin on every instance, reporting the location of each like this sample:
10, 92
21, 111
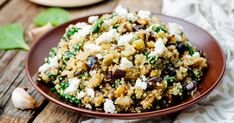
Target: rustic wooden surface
12, 73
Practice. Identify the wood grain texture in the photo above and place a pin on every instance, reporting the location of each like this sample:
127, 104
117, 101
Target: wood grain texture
12, 72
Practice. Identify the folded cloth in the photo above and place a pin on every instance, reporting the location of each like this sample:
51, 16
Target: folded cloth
217, 17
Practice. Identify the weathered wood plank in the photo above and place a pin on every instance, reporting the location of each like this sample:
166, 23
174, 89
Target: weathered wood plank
6, 58
52, 113
3, 2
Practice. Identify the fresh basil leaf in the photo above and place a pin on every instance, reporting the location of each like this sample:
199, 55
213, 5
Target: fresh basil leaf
55, 16
12, 37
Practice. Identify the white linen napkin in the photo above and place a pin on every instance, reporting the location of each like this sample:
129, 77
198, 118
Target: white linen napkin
215, 16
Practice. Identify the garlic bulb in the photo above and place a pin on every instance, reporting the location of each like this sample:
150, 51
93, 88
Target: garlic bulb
22, 100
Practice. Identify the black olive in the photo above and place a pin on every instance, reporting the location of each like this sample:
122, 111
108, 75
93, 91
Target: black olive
190, 86
118, 73
170, 43
137, 27
181, 47
151, 83
91, 61
108, 76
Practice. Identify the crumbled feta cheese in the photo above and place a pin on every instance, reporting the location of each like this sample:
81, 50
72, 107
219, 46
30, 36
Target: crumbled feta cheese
131, 17
53, 62
92, 19
109, 106
73, 85
125, 39
90, 92
88, 106
81, 24
125, 63
159, 48
108, 36
174, 28
44, 68
141, 83
80, 95
144, 14
178, 37
196, 54
82, 32
89, 47
99, 56
121, 11
92, 72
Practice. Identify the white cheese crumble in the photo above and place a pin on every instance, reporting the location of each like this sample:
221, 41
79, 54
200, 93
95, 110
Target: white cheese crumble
125, 63
125, 39
141, 82
80, 95
81, 24
90, 92
82, 32
53, 62
90, 47
159, 48
108, 36
92, 72
144, 14
88, 106
196, 54
109, 106
174, 28
121, 11
99, 56
73, 85
131, 17
92, 19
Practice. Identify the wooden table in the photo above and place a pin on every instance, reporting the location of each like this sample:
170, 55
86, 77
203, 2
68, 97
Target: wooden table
12, 73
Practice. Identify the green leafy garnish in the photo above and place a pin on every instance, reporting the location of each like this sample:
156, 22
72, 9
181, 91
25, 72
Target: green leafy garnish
69, 32
64, 85
67, 55
52, 52
159, 28
11, 37
55, 16
76, 47
190, 48
53, 90
97, 25
169, 78
71, 98
151, 59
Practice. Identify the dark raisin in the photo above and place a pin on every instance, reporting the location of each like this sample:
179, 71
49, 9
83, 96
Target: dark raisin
151, 83
118, 73
151, 36
170, 43
91, 61
108, 76
181, 47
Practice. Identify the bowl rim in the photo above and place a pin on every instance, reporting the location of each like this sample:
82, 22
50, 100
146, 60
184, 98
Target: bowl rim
159, 112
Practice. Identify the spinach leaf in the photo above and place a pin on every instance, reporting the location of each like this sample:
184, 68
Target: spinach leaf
55, 16
97, 25
169, 78
11, 37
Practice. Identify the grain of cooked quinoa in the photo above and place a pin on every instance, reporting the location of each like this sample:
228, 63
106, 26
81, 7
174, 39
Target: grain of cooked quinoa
124, 62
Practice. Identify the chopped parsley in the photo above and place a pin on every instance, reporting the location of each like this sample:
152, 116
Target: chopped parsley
169, 78
151, 59
52, 52
64, 85
190, 49
159, 28
69, 32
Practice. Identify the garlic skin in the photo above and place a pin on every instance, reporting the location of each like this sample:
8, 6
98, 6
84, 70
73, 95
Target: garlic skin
22, 100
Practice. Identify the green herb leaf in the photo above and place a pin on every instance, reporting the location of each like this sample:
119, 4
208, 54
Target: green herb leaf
11, 37
190, 48
159, 29
64, 85
97, 25
169, 78
55, 16
69, 32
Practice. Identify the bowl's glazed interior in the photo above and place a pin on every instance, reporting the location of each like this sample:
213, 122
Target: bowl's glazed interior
200, 38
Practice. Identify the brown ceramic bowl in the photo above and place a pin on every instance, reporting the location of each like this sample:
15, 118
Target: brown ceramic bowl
199, 37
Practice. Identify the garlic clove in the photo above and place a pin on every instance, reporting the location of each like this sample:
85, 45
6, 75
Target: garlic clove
22, 100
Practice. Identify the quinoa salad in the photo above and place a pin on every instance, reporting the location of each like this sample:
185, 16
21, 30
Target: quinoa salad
123, 62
